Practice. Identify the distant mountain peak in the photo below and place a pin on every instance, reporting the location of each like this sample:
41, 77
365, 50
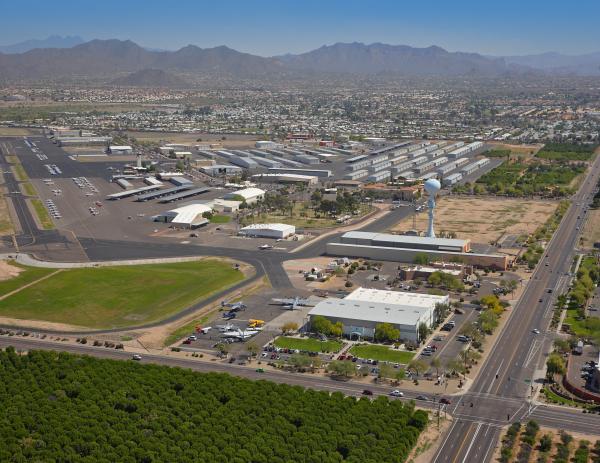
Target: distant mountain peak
375, 58
54, 41
150, 78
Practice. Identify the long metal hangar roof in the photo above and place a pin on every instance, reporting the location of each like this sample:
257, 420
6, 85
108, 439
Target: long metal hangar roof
406, 239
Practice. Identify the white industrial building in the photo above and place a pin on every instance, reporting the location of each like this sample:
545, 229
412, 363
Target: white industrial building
286, 178
249, 195
268, 230
405, 241
263, 144
221, 169
363, 309
189, 216
120, 149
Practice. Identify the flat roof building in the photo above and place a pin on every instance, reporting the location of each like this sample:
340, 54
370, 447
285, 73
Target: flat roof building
362, 310
286, 178
120, 149
268, 230
220, 169
405, 241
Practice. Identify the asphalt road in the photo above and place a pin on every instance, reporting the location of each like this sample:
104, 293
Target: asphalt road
315, 382
500, 394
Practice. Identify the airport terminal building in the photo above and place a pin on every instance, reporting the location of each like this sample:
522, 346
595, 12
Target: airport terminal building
363, 309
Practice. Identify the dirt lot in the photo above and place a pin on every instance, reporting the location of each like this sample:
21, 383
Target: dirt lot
14, 132
525, 150
484, 220
8, 271
231, 141
591, 232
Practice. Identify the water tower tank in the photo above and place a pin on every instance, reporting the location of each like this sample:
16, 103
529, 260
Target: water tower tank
432, 186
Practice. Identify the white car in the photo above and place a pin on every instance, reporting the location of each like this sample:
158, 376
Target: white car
136, 357
397, 393
265, 246
535, 331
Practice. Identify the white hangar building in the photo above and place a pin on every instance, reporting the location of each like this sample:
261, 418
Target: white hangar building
189, 216
363, 309
250, 195
268, 230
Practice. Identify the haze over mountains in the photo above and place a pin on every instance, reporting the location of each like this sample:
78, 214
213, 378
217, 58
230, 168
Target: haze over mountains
54, 41
113, 58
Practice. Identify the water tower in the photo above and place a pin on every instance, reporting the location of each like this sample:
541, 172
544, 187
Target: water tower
432, 186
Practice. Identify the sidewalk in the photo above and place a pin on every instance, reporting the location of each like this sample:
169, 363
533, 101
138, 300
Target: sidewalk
26, 259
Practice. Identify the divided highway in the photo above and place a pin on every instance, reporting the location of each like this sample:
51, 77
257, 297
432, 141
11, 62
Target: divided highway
500, 394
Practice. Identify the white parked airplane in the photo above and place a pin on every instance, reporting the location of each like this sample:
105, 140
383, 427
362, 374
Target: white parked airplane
292, 303
239, 334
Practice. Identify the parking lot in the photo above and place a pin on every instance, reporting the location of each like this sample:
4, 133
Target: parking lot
259, 306
75, 195
581, 366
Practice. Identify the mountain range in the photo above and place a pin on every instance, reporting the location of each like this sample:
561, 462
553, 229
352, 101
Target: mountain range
150, 78
556, 63
108, 60
54, 41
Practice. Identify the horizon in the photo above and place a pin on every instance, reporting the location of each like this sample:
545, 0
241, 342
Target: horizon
85, 40
267, 28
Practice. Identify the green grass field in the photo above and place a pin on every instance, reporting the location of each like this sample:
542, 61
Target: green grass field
20, 173
28, 275
28, 189
308, 344
107, 297
42, 214
382, 353
220, 219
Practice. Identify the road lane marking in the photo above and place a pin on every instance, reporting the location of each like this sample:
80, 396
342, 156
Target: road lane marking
497, 374
472, 442
490, 446
448, 434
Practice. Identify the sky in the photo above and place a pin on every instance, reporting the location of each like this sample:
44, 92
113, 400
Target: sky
274, 27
